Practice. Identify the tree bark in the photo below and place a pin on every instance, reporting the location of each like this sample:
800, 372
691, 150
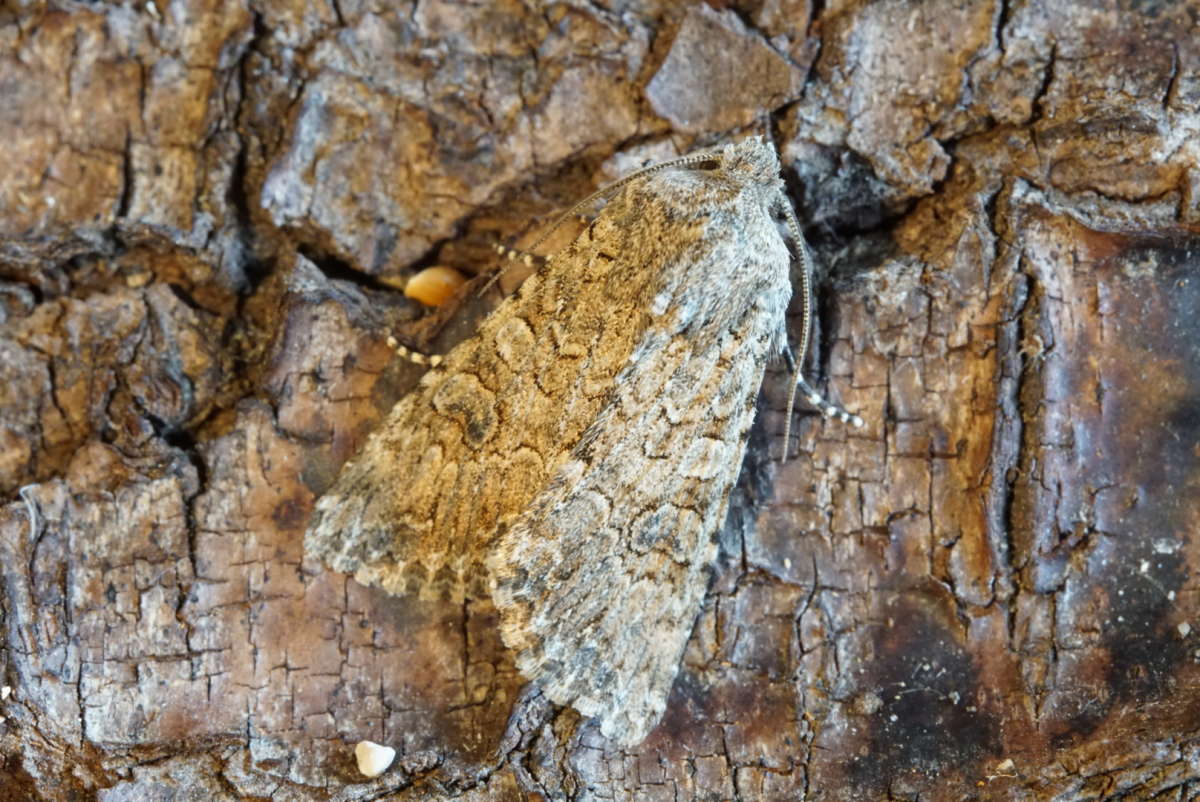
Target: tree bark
989, 592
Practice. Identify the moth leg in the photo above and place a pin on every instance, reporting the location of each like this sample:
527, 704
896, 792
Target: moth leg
513, 254
510, 257
827, 407
822, 404
415, 357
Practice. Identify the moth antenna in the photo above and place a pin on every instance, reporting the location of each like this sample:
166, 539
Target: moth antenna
603, 192
508, 255
796, 365
694, 158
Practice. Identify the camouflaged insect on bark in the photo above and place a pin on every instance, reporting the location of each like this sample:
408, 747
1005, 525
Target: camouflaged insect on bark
574, 459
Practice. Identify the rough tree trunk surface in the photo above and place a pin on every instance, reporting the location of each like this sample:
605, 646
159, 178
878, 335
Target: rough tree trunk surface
990, 592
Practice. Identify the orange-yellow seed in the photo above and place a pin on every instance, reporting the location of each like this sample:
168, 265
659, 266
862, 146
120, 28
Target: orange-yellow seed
433, 286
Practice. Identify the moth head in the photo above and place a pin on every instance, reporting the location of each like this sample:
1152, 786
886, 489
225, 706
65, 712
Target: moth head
753, 160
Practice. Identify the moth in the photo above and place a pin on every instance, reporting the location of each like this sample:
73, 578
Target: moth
574, 459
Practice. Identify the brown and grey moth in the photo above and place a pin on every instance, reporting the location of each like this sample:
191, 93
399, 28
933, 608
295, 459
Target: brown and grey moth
574, 458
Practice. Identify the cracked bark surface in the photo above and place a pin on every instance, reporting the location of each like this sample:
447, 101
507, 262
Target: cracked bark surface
990, 592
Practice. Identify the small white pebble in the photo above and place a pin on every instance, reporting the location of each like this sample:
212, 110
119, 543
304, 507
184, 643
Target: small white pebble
1184, 629
1006, 765
5, 692
373, 759
1145, 566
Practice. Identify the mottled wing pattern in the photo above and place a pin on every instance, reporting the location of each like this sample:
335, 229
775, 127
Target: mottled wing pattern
586, 440
599, 582
415, 510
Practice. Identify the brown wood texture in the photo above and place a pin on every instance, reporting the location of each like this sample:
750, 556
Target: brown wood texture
990, 592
